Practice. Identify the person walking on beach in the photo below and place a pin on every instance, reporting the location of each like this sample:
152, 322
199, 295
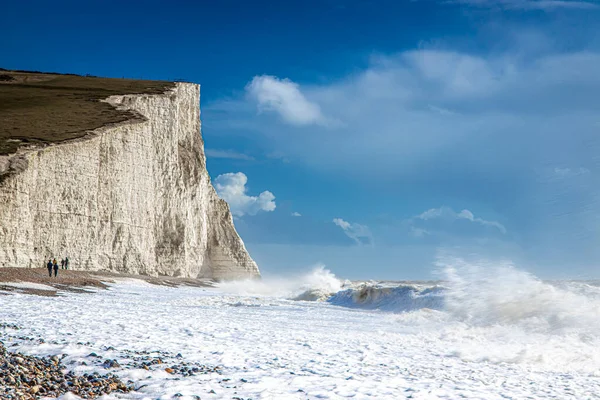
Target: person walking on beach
66, 262
62, 264
49, 265
55, 268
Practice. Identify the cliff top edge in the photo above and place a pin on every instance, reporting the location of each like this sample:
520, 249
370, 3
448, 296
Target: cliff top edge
38, 108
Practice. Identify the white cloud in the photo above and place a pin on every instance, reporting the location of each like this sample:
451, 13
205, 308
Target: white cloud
361, 234
229, 154
417, 110
448, 214
231, 187
454, 125
285, 98
296, 214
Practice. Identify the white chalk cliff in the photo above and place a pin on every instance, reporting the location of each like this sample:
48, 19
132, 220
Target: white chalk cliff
133, 198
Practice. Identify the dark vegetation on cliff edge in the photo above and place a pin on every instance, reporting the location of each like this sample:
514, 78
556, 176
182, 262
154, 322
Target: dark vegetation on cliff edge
40, 108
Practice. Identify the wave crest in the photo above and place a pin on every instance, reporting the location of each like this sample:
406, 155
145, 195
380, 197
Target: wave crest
402, 298
477, 294
318, 284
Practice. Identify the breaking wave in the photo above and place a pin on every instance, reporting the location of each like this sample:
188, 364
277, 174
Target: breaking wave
485, 294
316, 285
482, 312
401, 298
482, 294
489, 294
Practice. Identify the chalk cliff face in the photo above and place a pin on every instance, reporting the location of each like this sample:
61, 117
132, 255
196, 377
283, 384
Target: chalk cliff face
133, 198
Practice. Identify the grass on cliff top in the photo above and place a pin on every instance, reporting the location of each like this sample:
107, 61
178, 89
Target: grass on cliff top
38, 108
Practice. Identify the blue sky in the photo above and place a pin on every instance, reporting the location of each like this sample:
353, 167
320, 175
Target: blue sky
370, 136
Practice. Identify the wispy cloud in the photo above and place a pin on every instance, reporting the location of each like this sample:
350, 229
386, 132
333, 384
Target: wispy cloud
546, 5
419, 232
231, 187
570, 172
361, 234
440, 110
448, 214
228, 154
296, 214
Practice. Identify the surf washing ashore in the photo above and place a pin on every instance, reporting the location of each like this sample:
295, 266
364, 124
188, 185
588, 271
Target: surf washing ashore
481, 332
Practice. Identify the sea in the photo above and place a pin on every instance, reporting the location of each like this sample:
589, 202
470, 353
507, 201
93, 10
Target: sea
479, 331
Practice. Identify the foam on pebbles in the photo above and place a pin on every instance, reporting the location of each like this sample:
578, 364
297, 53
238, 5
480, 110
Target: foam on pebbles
25, 377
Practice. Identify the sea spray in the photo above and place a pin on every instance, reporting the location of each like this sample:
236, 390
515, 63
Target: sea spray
496, 313
477, 294
500, 294
318, 284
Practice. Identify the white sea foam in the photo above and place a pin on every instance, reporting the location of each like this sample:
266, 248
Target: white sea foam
500, 294
485, 331
318, 284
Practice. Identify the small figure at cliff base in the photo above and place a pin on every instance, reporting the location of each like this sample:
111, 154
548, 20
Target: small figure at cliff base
49, 265
55, 268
